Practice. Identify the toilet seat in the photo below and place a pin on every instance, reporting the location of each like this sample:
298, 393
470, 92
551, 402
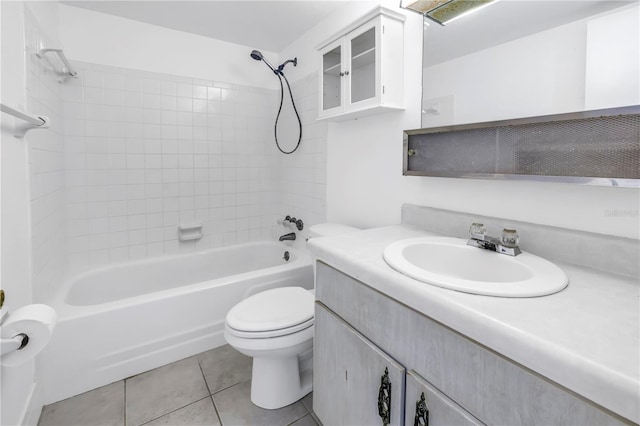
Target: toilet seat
272, 313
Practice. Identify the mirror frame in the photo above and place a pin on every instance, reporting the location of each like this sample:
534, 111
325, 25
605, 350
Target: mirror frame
596, 181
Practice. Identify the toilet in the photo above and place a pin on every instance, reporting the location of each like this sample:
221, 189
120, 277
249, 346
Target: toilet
275, 328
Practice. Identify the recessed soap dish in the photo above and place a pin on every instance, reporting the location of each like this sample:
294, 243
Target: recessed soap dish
191, 231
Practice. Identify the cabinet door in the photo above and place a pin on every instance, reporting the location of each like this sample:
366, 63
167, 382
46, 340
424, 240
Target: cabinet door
332, 79
425, 405
363, 66
350, 376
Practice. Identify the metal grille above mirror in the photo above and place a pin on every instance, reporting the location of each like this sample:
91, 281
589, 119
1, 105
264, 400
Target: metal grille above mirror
593, 147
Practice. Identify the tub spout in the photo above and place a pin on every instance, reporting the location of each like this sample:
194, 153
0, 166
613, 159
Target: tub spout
288, 237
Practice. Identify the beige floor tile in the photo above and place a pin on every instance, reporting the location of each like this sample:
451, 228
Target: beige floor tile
163, 390
103, 406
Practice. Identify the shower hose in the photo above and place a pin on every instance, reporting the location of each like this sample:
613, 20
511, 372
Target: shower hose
280, 75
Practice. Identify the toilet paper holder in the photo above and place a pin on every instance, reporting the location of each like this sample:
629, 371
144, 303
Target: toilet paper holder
25, 332
16, 343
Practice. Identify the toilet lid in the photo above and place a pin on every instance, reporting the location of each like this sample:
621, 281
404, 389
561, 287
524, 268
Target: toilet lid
276, 309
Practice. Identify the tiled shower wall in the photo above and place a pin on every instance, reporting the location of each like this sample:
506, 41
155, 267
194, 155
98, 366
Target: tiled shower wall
303, 174
46, 166
145, 152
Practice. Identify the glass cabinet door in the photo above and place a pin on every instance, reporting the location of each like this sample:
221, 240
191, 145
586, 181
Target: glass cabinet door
363, 66
361, 71
332, 78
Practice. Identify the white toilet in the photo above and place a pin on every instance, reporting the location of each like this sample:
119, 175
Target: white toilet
275, 327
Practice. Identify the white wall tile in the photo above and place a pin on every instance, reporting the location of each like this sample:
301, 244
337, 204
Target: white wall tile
158, 150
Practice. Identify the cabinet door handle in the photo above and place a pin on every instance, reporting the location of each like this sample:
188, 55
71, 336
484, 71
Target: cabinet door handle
422, 412
384, 398
341, 74
346, 73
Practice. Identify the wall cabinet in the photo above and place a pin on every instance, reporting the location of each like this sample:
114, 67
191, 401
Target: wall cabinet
361, 333
361, 68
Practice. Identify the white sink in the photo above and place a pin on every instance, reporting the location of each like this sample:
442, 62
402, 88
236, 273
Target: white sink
451, 263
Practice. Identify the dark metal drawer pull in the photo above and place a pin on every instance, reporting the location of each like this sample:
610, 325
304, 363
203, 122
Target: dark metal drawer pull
384, 398
422, 412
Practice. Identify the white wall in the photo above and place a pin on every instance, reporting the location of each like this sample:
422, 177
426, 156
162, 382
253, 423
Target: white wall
99, 38
17, 382
365, 186
24, 252
46, 161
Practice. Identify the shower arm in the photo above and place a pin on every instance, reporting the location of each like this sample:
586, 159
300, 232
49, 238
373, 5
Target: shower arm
294, 61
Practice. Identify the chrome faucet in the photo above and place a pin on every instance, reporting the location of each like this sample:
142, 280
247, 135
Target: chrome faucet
288, 237
506, 244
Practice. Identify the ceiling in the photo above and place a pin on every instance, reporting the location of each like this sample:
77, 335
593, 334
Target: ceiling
273, 25
266, 25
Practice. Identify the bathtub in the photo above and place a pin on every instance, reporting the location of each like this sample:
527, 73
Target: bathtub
122, 320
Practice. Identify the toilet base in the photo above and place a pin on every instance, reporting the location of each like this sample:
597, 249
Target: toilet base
277, 382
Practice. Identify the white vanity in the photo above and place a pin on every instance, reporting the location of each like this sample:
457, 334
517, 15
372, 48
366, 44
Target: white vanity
384, 340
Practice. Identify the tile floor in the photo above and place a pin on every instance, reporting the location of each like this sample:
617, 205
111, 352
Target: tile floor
211, 388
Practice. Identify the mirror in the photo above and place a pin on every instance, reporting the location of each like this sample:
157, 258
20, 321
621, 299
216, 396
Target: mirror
522, 58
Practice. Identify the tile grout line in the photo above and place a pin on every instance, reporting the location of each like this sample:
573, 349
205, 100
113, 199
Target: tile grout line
215, 408
299, 418
124, 383
173, 411
204, 377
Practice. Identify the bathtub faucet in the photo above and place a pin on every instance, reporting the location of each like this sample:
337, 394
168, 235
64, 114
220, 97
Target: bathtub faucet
288, 237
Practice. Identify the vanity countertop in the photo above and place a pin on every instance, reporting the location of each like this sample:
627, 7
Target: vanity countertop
585, 338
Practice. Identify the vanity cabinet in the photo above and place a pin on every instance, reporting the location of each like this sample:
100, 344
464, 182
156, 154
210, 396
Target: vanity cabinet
426, 405
362, 385
360, 331
361, 68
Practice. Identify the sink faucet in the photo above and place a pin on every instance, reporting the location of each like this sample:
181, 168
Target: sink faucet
506, 244
288, 237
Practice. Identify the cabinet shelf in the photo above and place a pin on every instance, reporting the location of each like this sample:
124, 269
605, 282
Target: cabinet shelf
367, 57
333, 70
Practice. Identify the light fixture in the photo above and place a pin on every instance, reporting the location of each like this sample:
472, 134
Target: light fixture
445, 11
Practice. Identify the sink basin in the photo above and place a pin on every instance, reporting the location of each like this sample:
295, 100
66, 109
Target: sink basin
451, 263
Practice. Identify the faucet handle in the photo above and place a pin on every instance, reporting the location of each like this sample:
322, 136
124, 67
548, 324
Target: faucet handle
509, 238
477, 230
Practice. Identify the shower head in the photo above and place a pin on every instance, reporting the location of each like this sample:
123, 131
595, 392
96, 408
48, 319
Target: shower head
257, 55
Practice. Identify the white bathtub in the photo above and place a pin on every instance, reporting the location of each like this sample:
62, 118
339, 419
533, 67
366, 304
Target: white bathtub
122, 320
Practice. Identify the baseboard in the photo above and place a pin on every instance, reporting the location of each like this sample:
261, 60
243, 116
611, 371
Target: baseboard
33, 408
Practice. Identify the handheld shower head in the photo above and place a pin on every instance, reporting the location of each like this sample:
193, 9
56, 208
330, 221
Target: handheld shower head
257, 55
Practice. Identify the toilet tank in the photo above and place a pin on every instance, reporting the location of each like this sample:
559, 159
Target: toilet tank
330, 229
